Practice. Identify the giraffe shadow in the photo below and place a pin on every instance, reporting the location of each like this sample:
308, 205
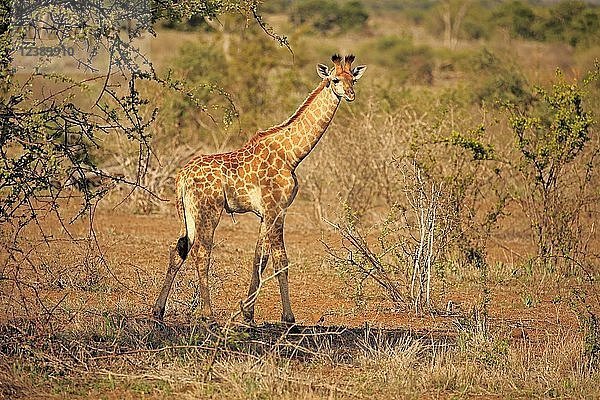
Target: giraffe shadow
307, 342
136, 335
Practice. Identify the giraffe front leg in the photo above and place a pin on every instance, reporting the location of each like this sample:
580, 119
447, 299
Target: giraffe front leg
175, 263
261, 258
280, 262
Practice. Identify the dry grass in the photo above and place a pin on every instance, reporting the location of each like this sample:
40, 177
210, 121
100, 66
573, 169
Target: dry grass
271, 362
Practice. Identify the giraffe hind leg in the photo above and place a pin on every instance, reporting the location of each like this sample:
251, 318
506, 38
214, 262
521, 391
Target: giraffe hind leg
181, 249
174, 265
208, 218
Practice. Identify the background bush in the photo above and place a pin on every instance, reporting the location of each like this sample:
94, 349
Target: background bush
330, 15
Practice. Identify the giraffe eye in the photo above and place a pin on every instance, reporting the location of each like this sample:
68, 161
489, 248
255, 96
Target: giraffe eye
336, 80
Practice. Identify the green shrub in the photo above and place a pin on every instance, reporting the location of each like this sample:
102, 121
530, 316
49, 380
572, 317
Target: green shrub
352, 15
195, 22
201, 63
188, 17
499, 81
319, 14
476, 24
573, 22
246, 71
202, 68
409, 62
274, 6
570, 21
329, 15
554, 140
518, 18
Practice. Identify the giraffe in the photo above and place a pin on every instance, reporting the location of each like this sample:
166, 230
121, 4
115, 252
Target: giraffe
260, 178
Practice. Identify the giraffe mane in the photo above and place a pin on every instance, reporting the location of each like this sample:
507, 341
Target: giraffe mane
311, 97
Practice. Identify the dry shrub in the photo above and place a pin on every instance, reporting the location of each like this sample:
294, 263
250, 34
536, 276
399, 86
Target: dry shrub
410, 245
459, 189
155, 187
37, 278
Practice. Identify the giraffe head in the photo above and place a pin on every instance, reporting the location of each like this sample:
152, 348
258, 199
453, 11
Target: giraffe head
342, 76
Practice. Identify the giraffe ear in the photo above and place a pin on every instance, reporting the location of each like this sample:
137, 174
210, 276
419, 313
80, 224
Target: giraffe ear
358, 71
322, 71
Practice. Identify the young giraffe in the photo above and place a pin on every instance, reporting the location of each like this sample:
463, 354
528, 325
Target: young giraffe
260, 178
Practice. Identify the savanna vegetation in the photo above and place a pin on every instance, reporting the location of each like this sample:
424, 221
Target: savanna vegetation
443, 241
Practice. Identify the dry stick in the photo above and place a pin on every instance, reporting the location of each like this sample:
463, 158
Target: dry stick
423, 223
283, 41
213, 358
357, 241
377, 272
433, 207
418, 207
412, 202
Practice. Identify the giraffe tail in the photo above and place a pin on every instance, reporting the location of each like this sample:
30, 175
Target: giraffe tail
183, 247
184, 244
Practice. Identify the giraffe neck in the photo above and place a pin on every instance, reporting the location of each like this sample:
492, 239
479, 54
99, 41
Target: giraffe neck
302, 131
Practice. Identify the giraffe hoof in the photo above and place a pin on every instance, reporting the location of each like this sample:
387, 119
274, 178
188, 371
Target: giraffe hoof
158, 313
288, 319
207, 322
203, 315
248, 316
